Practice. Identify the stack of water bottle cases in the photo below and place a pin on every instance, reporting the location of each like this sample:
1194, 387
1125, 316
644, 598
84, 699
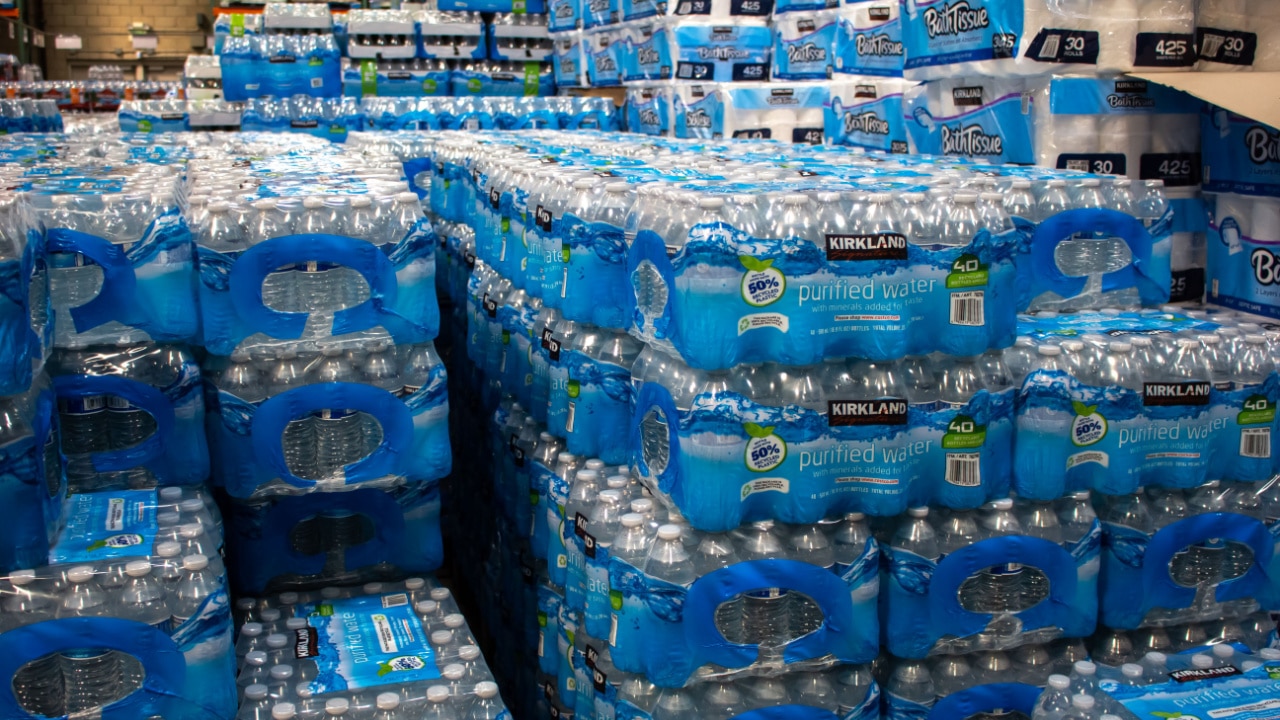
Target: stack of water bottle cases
765, 431
251, 317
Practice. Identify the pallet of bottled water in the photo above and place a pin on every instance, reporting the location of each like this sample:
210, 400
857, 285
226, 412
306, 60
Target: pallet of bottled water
1007, 575
1220, 681
281, 66
381, 650
353, 535
298, 248
130, 415
127, 615
26, 322
30, 116
1114, 401
32, 482
120, 261
489, 113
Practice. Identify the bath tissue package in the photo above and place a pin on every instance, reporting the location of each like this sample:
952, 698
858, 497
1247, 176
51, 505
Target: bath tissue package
1005, 38
736, 51
867, 112
1118, 126
645, 50
568, 59
1240, 155
698, 111
788, 112
869, 38
602, 54
984, 119
804, 45
649, 109
1234, 35
1244, 253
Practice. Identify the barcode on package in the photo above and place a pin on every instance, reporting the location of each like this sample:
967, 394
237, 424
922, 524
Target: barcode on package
1049, 50
967, 308
964, 469
1255, 443
317, 82
396, 600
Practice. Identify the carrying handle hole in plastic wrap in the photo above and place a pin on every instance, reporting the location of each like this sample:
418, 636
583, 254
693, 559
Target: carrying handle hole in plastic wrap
769, 617
1081, 257
74, 681
336, 439
331, 532
1026, 587
313, 287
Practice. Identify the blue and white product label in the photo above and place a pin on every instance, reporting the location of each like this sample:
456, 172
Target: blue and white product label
397, 527
367, 80
649, 111
364, 642
564, 15
248, 437
981, 119
867, 113
731, 460
804, 47
400, 275
807, 6
640, 9
722, 53
1214, 693
134, 119
595, 287
598, 13
603, 68
567, 61
922, 606
1244, 270
177, 452
869, 39
147, 284
699, 112
1137, 587
963, 450
646, 52
107, 526
1240, 155
26, 336
938, 33
667, 631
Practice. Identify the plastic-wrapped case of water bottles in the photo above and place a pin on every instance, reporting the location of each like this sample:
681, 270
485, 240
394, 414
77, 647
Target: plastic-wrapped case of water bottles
156, 116
128, 614
450, 35
131, 416
397, 78
489, 113
1008, 38
1116, 401
120, 260
519, 37
281, 65
40, 116
26, 319
304, 655
381, 34
330, 119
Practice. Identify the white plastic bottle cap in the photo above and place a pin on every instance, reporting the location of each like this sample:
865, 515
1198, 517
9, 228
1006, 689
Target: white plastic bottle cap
595, 464
283, 711
288, 598
80, 573
281, 672
313, 203
632, 520
1156, 658
270, 615
1049, 350
256, 691
171, 494
487, 689
373, 588
361, 201
453, 671
168, 549
1224, 651
426, 607
469, 652
303, 690
669, 532
251, 629
1059, 682
277, 640
388, 701
256, 657
192, 563
441, 637
643, 506
440, 594
295, 623
1084, 702
437, 693
336, 706
22, 577
918, 512
1202, 661
138, 568
191, 505
453, 621
1269, 654
414, 583
1002, 504
1131, 670
405, 198
1084, 667
190, 531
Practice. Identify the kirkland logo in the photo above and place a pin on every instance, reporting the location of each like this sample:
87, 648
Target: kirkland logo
846, 413
1131, 86
879, 14
1193, 674
1186, 393
874, 246
306, 643
967, 96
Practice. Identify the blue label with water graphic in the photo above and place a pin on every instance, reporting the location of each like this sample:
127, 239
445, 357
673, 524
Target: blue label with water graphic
595, 289
107, 525
365, 642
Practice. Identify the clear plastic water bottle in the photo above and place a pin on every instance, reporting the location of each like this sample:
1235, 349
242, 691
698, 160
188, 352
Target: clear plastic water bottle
911, 681
190, 592
143, 598
765, 612
299, 441
255, 705
668, 560
808, 545
90, 674
1001, 589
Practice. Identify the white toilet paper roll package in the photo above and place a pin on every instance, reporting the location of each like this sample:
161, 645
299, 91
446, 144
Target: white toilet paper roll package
1240, 155
568, 59
804, 45
1244, 253
866, 111
869, 38
649, 109
736, 51
1008, 38
789, 112
985, 119
697, 110
1236, 35
1118, 126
